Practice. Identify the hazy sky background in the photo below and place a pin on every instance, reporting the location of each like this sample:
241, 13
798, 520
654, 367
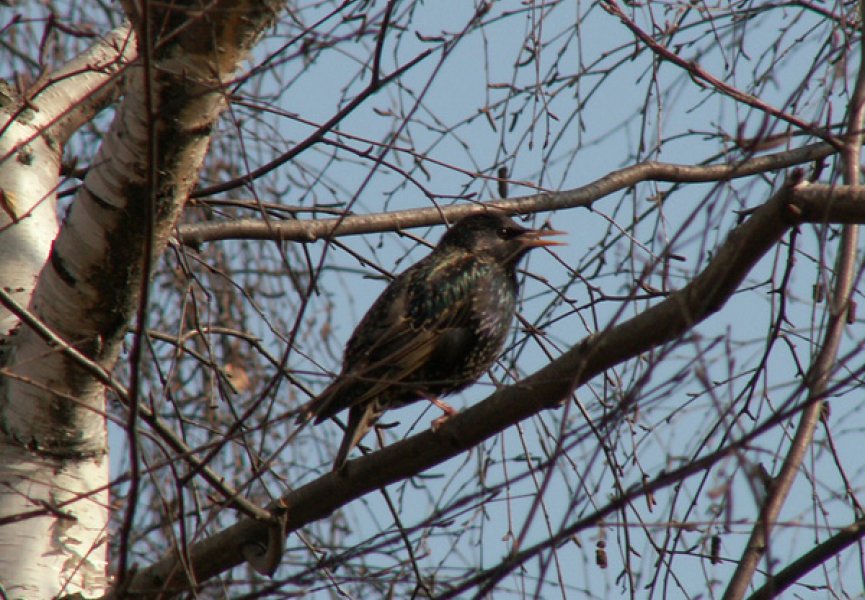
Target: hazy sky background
626, 116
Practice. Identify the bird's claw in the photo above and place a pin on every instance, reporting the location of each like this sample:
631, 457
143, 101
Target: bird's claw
448, 413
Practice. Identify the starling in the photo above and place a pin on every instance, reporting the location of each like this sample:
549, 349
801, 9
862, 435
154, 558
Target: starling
434, 330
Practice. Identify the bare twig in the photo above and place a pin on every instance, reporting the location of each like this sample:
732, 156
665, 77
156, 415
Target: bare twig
659, 324
318, 229
818, 377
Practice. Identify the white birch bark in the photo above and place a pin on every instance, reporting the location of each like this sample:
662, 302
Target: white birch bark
53, 494
52, 419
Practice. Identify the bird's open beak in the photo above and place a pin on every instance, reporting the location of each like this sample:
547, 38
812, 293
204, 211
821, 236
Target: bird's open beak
534, 238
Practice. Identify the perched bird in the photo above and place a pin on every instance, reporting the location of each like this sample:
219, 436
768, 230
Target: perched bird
434, 330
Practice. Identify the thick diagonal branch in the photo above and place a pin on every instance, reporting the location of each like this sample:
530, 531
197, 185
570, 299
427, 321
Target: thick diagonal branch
547, 388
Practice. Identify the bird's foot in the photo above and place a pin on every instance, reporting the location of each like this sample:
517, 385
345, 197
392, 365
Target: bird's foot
446, 408
436, 423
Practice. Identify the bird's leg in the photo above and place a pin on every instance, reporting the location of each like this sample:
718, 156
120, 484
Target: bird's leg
446, 408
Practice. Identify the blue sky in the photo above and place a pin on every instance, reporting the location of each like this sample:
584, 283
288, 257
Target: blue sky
631, 108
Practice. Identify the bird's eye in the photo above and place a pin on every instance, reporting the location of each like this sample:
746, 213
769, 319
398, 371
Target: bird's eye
504, 233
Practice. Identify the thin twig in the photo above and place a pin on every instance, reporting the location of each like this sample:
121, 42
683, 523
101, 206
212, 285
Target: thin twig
821, 370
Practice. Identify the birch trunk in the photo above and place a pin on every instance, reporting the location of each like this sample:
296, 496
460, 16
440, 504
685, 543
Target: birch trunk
53, 447
81, 282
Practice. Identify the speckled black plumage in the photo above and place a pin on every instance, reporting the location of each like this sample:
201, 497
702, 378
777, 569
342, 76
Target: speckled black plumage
434, 330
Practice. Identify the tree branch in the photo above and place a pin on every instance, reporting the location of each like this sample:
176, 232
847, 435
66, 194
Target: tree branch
698, 74
822, 367
803, 565
585, 196
547, 388
73, 95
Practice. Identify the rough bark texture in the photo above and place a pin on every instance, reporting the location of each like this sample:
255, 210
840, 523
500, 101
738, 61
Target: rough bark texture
52, 408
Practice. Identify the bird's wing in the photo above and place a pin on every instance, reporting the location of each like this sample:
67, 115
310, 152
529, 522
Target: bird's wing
380, 337
405, 326
420, 312
400, 351
436, 303
409, 351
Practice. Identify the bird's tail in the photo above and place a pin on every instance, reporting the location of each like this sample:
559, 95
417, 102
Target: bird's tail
360, 421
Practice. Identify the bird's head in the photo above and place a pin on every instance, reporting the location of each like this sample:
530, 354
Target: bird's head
494, 235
